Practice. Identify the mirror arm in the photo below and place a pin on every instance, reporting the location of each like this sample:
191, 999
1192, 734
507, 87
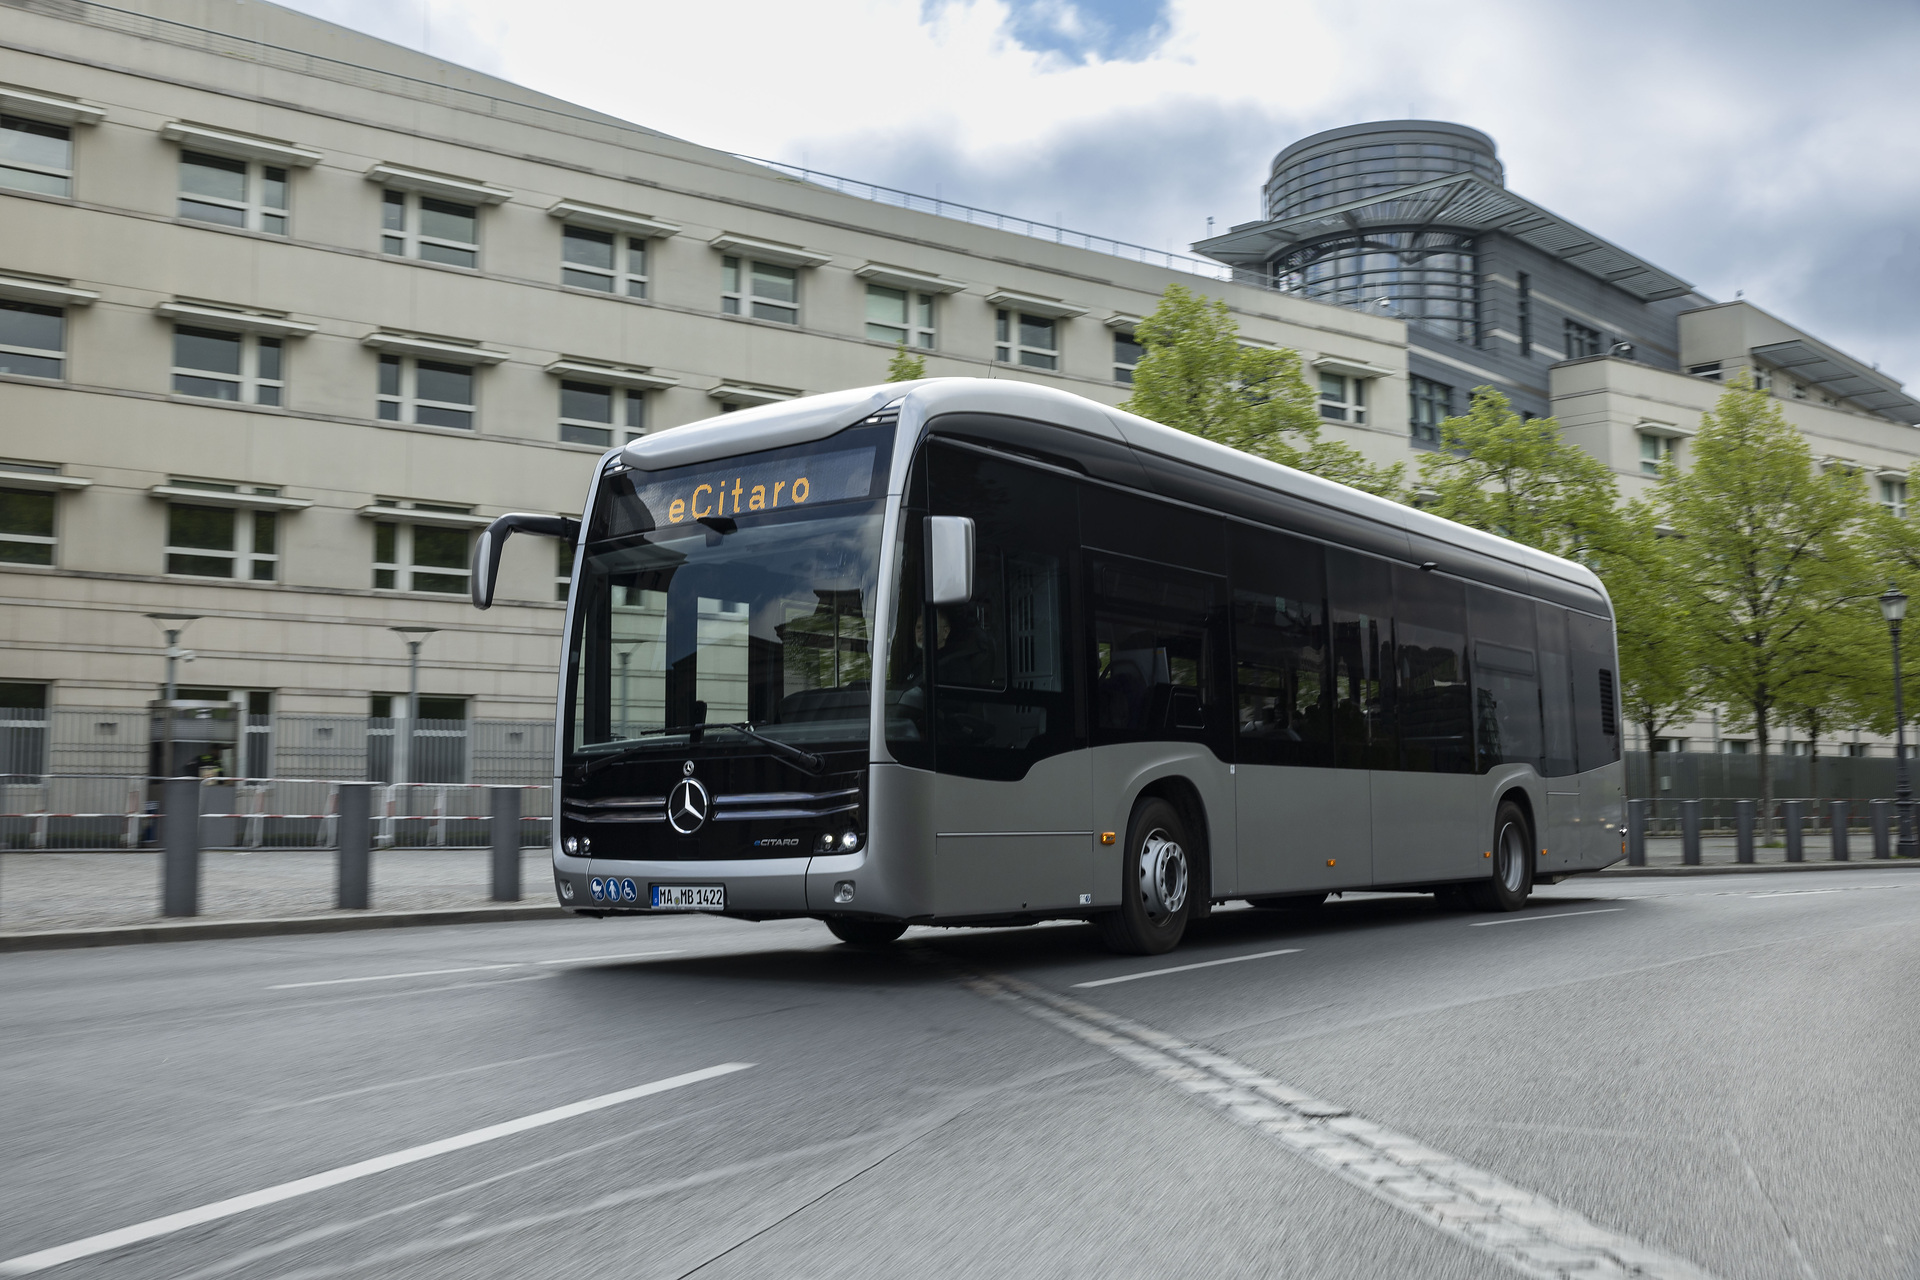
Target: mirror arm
493, 540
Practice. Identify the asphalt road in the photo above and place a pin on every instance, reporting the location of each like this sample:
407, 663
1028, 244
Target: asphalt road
1716, 1071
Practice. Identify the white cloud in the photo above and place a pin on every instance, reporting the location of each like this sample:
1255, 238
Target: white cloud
1741, 145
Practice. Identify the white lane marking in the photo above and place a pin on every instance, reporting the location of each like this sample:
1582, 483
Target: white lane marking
385, 1085
388, 977
471, 968
28, 1263
1182, 968
1528, 1232
629, 955
1558, 915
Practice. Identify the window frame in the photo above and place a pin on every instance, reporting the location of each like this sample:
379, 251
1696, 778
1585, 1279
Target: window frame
409, 236
255, 212
740, 269
622, 281
627, 412
920, 332
1437, 398
248, 383
1351, 405
1123, 370
58, 355
33, 126
1665, 448
1893, 496
406, 401
403, 568
1589, 341
50, 540
1010, 346
245, 552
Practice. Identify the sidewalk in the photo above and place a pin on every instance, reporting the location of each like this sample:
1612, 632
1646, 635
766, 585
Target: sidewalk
51, 890
1663, 856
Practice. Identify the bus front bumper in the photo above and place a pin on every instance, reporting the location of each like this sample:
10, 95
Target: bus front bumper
751, 887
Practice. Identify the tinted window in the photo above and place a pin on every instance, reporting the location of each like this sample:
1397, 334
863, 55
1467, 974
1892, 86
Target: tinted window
1556, 691
1596, 714
1152, 530
1000, 665
1282, 690
1430, 634
1360, 602
1155, 655
1506, 678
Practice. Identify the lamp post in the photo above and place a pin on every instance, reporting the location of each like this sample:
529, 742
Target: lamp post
1893, 607
415, 637
174, 652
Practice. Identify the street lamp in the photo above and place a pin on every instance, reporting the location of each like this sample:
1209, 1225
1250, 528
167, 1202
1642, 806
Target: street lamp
414, 636
175, 653
1893, 607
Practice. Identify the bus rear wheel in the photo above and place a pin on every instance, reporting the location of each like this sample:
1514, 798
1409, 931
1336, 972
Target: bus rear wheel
865, 933
1511, 878
1156, 876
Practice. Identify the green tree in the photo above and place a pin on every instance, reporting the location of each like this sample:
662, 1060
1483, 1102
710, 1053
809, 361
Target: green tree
905, 366
1197, 376
1771, 555
1520, 478
1660, 680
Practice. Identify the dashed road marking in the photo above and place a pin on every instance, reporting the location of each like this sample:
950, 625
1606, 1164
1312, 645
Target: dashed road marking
1182, 968
1558, 915
1526, 1231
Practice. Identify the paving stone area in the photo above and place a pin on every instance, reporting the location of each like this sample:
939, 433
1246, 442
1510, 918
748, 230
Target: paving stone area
91, 890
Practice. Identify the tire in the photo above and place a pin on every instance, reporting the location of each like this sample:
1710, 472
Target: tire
1510, 879
865, 933
1156, 878
1290, 902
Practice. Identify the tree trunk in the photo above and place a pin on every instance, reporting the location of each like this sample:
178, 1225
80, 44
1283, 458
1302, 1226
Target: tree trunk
1766, 770
1648, 724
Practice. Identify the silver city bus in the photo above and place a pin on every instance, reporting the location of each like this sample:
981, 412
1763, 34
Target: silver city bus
964, 652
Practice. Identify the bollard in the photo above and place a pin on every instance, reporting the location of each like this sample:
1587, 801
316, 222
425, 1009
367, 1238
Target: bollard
1882, 811
1837, 825
1791, 812
355, 845
506, 844
180, 847
1743, 831
1636, 833
1690, 833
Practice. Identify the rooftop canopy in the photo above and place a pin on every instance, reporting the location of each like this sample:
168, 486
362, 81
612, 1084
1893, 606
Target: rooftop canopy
1841, 376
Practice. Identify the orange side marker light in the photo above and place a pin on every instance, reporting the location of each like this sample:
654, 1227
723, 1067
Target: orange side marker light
1487, 854
1107, 837
1330, 861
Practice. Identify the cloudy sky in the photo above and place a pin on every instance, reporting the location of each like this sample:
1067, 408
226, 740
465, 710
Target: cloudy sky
1762, 146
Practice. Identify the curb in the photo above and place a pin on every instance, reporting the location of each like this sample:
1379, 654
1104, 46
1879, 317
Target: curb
270, 926
1754, 868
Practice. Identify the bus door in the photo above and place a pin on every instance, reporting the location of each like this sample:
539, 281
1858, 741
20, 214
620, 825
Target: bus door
1562, 837
1011, 812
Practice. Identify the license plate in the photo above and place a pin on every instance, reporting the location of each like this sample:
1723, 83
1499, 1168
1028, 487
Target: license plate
689, 897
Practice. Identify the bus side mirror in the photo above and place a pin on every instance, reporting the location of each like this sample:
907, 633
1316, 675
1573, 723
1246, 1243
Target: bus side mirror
493, 540
949, 559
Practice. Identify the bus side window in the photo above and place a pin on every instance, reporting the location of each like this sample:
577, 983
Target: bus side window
1155, 678
1556, 690
1360, 603
1597, 722
1282, 691
1506, 678
1430, 634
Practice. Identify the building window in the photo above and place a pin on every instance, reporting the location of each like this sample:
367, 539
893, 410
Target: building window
1709, 371
1893, 496
1669, 744
1432, 404
1343, 399
1736, 746
23, 727
33, 340
35, 156
589, 412
1654, 450
417, 226
241, 367
1023, 339
1762, 378
1126, 357
1799, 391
26, 526
759, 289
1526, 315
430, 393
419, 557
221, 542
603, 261
233, 193
562, 569
897, 316
1856, 749
1581, 341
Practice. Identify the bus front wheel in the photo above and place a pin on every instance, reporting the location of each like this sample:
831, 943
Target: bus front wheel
1156, 876
1510, 879
865, 933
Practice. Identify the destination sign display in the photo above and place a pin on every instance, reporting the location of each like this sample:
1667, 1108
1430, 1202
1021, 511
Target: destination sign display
736, 488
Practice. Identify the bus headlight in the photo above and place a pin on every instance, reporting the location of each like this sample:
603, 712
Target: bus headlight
575, 846
849, 841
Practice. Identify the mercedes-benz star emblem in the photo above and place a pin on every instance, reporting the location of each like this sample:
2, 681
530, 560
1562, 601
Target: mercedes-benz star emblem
687, 806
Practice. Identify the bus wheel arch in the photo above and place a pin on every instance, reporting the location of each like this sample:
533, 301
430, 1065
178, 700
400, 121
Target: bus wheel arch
1185, 799
1158, 889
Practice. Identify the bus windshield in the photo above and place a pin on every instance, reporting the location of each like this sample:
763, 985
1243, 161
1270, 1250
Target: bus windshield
697, 606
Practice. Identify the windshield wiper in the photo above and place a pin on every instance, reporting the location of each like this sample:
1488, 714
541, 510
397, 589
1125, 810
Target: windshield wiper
805, 761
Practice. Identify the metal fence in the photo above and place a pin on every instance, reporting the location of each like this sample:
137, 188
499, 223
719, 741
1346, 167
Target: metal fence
1686, 775
94, 811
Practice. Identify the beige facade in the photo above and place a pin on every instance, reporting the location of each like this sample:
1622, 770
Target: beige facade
376, 145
